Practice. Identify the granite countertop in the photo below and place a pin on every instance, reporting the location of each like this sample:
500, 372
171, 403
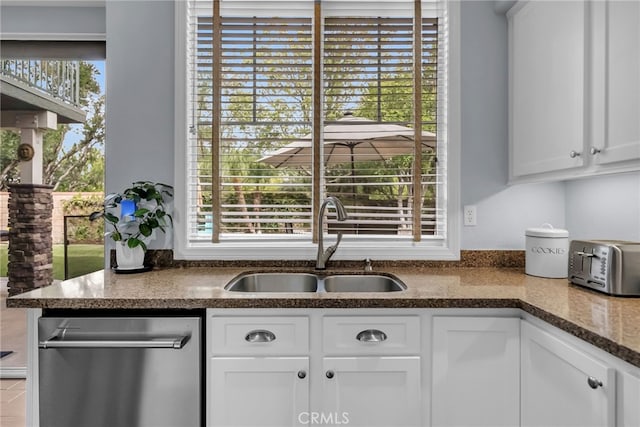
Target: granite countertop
610, 323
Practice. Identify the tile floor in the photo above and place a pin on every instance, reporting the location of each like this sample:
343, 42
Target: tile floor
12, 403
13, 332
13, 336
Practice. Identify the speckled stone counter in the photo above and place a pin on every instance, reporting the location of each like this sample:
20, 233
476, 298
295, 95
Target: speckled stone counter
611, 323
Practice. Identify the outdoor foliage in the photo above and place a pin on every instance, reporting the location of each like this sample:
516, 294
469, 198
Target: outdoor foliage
82, 230
79, 167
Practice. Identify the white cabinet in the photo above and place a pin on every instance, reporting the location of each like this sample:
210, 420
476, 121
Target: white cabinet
371, 369
476, 370
371, 335
547, 79
562, 385
620, 140
373, 391
316, 369
628, 405
574, 90
258, 371
259, 391
409, 368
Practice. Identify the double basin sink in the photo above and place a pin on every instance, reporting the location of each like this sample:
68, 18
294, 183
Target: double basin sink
309, 282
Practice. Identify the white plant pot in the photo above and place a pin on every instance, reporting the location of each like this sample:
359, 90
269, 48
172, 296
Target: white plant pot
129, 258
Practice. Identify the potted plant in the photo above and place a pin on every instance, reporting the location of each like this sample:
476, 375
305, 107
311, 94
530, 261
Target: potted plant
134, 215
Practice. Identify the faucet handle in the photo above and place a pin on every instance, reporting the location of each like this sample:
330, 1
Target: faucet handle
331, 249
367, 265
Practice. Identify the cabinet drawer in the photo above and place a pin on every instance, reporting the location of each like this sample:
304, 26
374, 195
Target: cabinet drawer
375, 335
259, 335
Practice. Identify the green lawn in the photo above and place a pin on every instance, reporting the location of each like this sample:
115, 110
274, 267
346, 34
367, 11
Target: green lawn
83, 259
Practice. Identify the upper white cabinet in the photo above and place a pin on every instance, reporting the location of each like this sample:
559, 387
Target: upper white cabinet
574, 90
547, 58
476, 372
563, 386
621, 139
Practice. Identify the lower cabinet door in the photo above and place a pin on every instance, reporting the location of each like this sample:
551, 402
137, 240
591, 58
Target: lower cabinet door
628, 400
562, 385
476, 372
371, 391
259, 391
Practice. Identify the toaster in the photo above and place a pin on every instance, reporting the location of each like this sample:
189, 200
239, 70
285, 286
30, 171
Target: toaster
609, 266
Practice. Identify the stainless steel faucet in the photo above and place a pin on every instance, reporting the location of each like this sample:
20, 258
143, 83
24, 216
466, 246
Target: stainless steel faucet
323, 256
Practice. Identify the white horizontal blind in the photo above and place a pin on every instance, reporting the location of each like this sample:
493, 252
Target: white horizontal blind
368, 106
266, 111
266, 99
441, 71
434, 178
200, 101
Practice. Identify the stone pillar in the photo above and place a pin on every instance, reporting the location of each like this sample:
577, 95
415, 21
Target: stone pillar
30, 243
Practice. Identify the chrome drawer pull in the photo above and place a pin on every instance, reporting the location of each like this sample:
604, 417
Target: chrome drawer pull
371, 335
260, 335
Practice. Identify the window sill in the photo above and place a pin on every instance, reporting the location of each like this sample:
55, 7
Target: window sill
349, 249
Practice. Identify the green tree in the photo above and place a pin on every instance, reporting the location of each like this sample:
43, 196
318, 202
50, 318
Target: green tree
9, 142
79, 167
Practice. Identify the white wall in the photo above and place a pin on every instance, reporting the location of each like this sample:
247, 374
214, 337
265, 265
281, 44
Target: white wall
504, 213
139, 87
606, 207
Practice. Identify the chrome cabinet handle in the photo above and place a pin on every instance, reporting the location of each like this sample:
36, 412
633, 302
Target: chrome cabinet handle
594, 383
573, 154
595, 151
260, 335
371, 335
330, 374
302, 374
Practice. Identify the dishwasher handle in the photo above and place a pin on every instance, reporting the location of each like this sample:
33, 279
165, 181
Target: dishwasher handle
164, 342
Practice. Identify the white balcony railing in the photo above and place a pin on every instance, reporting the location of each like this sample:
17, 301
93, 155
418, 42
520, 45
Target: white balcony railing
59, 79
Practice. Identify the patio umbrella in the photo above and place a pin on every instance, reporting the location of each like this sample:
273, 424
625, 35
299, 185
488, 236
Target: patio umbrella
352, 139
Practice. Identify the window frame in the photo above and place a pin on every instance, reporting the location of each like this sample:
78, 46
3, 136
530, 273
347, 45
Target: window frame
352, 246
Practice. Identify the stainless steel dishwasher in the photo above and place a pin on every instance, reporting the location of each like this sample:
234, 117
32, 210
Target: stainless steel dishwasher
120, 371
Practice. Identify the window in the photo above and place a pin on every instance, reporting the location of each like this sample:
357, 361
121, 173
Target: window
269, 91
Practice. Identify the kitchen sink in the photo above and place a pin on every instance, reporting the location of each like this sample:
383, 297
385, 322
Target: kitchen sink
308, 282
362, 283
274, 282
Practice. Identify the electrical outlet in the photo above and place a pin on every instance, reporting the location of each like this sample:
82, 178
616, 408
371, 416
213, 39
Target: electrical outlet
470, 215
